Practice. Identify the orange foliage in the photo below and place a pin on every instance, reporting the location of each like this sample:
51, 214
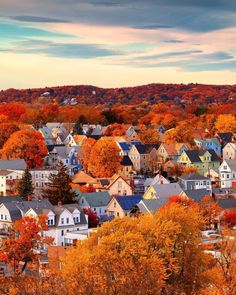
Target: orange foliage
6, 129
25, 237
104, 160
28, 145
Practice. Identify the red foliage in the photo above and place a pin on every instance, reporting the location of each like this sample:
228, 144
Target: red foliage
92, 217
229, 218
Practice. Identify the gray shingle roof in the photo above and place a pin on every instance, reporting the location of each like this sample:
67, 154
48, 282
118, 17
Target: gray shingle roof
229, 203
14, 212
167, 190
151, 205
99, 199
193, 176
19, 164
197, 195
36, 205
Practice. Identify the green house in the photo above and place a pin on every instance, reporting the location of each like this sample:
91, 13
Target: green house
202, 160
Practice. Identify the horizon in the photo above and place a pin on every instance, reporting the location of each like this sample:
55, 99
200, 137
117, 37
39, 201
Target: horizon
116, 43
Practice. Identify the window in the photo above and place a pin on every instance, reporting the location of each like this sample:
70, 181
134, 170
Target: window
5, 217
117, 214
94, 209
114, 204
227, 176
222, 175
62, 221
36, 175
42, 176
2, 216
67, 220
225, 167
119, 184
62, 233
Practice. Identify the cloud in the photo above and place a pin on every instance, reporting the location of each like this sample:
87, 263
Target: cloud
36, 19
64, 50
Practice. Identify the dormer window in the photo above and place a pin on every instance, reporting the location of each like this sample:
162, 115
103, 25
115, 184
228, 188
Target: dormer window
62, 221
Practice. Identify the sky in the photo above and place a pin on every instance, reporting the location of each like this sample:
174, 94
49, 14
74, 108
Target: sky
116, 43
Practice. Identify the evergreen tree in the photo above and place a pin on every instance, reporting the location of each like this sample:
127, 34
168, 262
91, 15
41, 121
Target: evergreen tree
78, 125
59, 189
25, 187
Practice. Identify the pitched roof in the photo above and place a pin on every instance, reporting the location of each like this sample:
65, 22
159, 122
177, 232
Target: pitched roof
36, 205
144, 149
231, 164
19, 164
194, 155
225, 136
99, 199
126, 161
196, 195
9, 199
14, 212
128, 202
229, 203
167, 190
124, 146
151, 205
82, 177
193, 176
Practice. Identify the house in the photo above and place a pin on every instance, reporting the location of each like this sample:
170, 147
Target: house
63, 220
97, 201
120, 206
202, 160
194, 181
158, 191
11, 171
67, 155
47, 135
227, 172
115, 186
209, 144
56, 128
74, 140
158, 179
229, 151
170, 151
9, 181
132, 133
127, 168
40, 178
142, 155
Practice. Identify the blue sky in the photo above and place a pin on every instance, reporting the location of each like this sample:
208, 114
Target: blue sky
117, 42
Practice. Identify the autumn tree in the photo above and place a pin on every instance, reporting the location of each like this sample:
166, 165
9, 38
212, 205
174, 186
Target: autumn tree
25, 187
183, 132
115, 129
105, 158
58, 188
229, 218
28, 145
6, 130
226, 123
148, 135
23, 241
118, 264
210, 210
86, 149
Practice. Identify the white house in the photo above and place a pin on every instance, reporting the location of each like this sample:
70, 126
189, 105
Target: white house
8, 181
227, 173
62, 219
229, 151
40, 178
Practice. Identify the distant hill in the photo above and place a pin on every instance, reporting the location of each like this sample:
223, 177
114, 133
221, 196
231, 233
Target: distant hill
151, 93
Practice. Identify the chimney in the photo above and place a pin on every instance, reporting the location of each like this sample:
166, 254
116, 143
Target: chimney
30, 198
59, 203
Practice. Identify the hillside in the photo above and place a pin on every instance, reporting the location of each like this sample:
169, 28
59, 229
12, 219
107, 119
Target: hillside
151, 93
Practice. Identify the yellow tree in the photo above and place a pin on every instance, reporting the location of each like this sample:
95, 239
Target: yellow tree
226, 123
85, 153
105, 158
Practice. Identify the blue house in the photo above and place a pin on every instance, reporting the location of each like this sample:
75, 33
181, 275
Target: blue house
209, 144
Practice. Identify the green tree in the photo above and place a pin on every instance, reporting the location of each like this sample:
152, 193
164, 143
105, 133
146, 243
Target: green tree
25, 187
59, 189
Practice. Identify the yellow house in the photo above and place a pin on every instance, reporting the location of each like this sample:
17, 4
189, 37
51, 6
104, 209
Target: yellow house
157, 191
